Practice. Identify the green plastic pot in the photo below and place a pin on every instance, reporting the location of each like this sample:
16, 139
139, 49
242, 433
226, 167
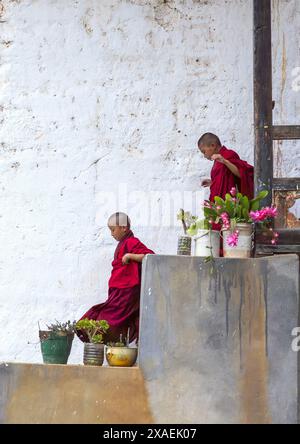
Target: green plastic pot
55, 347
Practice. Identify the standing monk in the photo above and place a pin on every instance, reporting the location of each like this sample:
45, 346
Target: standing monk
228, 170
121, 310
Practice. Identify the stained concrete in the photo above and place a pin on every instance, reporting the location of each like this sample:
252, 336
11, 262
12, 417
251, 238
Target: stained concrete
215, 344
59, 394
215, 347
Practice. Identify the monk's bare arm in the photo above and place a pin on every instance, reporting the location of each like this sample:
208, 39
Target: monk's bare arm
132, 257
228, 164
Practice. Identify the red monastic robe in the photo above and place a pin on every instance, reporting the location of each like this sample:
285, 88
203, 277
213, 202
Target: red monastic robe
222, 179
121, 310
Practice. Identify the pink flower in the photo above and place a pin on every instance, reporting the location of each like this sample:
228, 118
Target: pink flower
207, 204
264, 213
232, 239
272, 211
233, 191
225, 221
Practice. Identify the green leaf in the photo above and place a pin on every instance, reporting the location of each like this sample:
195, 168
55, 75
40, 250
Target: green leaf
209, 212
245, 214
245, 202
192, 231
254, 205
219, 201
228, 197
262, 194
230, 208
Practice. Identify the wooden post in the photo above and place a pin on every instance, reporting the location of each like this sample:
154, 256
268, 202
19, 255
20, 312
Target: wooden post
263, 123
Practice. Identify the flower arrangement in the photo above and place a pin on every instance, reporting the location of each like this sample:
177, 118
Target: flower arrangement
237, 208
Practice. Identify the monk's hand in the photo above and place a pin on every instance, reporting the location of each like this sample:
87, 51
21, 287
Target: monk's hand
218, 158
206, 183
126, 258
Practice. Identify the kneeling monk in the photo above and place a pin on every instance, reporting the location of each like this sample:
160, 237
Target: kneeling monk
121, 310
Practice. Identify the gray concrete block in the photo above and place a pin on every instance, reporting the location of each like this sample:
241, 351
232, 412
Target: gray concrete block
216, 347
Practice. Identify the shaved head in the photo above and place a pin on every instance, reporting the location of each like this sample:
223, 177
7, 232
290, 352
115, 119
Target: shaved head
208, 139
119, 220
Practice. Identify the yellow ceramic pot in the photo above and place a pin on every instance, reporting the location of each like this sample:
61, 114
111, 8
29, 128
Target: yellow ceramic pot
121, 356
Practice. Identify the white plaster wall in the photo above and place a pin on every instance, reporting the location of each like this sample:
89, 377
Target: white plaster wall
101, 105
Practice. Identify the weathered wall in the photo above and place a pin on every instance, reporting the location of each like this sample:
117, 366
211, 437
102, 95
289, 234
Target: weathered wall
57, 394
217, 348
111, 96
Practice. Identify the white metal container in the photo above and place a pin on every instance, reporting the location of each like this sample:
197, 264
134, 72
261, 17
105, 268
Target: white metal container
244, 245
207, 241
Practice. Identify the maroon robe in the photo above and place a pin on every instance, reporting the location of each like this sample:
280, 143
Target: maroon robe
222, 179
121, 309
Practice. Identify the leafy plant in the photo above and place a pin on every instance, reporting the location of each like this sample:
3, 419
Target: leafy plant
198, 224
62, 327
187, 220
93, 329
237, 208
123, 342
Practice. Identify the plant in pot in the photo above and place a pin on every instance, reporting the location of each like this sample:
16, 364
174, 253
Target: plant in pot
56, 342
185, 241
120, 354
93, 349
237, 214
207, 241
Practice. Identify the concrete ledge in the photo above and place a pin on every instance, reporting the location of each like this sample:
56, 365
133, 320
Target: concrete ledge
217, 348
71, 394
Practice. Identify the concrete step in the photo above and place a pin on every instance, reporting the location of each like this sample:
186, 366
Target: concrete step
66, 394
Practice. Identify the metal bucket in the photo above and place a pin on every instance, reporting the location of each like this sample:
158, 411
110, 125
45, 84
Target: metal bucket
93, 354
55, 347
207, 243
244, 246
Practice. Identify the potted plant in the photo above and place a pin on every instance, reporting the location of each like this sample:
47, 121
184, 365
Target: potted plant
93, 349
207, 241
56, 342
119, 354
237, 214
185, 241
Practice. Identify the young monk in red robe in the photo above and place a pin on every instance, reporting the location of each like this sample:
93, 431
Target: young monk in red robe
121, 310
228, 170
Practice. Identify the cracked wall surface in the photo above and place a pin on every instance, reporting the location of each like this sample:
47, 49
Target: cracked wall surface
108, 98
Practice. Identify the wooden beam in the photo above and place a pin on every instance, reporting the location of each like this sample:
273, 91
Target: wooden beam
276, 249
286, 132
286, 184
263, 123
286, 237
